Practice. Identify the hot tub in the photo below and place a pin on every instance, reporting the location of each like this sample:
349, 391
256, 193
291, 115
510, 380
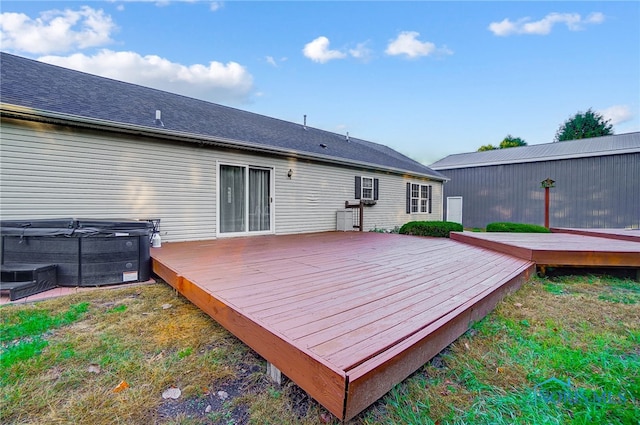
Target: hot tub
87, 252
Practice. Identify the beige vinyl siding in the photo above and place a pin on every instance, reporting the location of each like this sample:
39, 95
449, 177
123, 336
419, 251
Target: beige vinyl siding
311, 199
51, 172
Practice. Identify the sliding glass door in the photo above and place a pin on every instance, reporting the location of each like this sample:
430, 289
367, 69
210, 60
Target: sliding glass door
244, 199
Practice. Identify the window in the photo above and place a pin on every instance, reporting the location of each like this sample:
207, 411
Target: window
418, 198
424, 199
366, 188
415, 197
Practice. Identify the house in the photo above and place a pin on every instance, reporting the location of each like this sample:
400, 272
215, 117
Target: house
597, 183
79, 145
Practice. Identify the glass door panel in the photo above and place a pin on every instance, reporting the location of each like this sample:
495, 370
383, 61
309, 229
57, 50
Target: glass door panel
232, 199
259, 200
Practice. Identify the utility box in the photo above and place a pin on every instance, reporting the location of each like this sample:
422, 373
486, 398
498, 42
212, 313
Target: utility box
344, 220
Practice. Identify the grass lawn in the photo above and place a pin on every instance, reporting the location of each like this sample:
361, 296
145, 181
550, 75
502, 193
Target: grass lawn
561, 351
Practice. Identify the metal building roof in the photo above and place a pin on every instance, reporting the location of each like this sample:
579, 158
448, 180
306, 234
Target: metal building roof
51, 91
597, 146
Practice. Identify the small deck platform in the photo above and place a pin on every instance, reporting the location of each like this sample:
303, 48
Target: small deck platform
559, 249
632, 235
345, 315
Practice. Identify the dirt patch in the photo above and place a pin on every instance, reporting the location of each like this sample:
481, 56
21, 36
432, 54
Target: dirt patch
222, 403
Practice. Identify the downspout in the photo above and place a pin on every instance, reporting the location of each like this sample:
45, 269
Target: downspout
442, 200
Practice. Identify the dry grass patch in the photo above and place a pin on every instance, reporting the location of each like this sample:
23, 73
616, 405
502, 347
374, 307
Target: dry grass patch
62, 359
149, 337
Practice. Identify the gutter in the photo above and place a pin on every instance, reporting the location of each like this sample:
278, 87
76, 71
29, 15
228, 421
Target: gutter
32, 114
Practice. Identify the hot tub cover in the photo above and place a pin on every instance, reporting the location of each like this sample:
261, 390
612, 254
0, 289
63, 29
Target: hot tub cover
75, 227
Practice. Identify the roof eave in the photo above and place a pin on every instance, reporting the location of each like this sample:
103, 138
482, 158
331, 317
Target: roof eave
32, 114
539, 159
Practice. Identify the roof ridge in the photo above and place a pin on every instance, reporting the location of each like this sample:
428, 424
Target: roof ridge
611, 145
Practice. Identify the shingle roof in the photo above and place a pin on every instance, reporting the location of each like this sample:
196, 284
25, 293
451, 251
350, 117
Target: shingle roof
597, 146
53, 89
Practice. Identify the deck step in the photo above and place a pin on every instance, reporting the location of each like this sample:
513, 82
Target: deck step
23, 280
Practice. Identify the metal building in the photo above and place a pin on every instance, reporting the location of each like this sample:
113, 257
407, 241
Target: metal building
597, 183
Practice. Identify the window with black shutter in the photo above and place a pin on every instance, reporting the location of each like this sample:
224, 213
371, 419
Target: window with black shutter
366, 188
419, 198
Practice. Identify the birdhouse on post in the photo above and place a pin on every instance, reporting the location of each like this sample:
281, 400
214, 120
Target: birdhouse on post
547, 184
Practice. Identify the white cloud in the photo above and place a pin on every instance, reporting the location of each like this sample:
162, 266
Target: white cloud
216, 5
361, 51
617, 114
55, 31
216, 82
407, 44
595, 18
573, 21
318, 51
275, 62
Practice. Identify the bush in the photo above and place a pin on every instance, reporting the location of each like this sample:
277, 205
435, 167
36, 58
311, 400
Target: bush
438, 229
516, 228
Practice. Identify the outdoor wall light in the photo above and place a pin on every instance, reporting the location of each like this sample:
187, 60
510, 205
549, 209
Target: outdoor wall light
290, 173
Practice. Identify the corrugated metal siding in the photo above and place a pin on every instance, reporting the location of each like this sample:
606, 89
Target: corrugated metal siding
51, 172
590, 192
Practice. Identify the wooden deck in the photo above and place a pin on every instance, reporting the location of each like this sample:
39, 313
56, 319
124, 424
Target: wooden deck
345, 315
632, 235
560, 249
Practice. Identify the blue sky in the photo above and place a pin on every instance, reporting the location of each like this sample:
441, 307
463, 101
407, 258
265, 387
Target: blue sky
428, 79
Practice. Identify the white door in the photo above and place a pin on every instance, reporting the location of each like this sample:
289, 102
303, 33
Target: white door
454, 209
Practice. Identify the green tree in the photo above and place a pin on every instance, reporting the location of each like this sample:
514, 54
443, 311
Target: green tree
486, 148
583, 126
507, 142
512, 142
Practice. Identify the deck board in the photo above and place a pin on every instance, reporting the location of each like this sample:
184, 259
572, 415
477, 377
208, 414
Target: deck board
341, 313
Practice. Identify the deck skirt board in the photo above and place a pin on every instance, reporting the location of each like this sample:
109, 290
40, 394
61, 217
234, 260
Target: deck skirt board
343, 314
379, 374
632, 235
561, 248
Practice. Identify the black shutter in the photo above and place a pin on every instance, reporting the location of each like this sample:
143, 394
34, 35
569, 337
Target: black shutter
358, 187
375, 189
408, 198
430, 193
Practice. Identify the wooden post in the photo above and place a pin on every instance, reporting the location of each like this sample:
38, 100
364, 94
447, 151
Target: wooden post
547, 184
546, 207
360, 206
